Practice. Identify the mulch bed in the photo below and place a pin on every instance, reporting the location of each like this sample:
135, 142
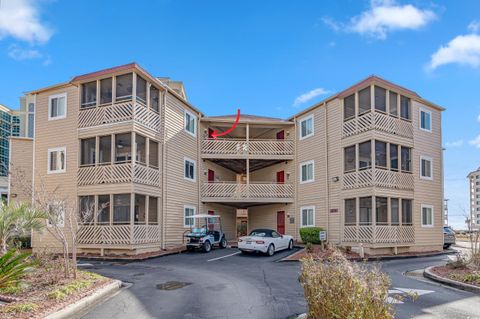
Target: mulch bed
463, 274
317, 253
38, 284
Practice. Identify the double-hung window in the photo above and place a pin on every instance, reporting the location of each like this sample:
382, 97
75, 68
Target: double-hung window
189, 169
57, 106
425, 120
57, 158
427, 216
426, 167
190, 123
306, 127
188, 213
308, 216
307, 172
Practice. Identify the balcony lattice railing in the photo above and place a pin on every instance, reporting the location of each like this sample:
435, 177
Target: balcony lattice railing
378, 177
379, 234
118, 234
252, 191
119, 112
377, 121
118, 173
242, 147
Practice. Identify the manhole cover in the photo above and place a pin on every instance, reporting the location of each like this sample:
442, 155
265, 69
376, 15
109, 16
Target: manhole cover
172, 285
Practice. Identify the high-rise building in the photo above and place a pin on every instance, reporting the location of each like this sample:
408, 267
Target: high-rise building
474, 184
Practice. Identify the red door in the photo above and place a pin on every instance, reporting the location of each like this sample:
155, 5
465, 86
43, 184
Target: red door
211, 176
210, 133
210, 226
281, 222
281, 135
281, 177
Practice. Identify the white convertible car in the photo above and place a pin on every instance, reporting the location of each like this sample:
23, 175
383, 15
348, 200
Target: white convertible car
266, 241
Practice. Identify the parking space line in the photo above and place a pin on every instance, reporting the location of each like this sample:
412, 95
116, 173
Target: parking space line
230, 255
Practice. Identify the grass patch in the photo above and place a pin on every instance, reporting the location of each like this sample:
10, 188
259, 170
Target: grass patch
469, 278
11, 290
69, 289
19, 308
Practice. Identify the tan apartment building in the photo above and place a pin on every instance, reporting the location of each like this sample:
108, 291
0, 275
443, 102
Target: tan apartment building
365, 164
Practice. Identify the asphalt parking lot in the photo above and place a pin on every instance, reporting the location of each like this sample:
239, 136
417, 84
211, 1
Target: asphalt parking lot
220, 284
227, 284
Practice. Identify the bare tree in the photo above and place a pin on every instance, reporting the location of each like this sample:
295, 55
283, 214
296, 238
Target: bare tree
473, 234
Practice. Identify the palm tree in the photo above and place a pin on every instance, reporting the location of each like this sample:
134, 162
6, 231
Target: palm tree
18, 219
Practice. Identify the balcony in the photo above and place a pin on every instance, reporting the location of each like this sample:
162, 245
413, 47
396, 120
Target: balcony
379, 234
253, 192
377, 121
241, 148
118, 113
378, 178
118, 173
118, 235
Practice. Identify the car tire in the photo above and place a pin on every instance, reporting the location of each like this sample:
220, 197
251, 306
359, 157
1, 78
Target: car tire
223, 243
190, 248
271, 250
290, 244
446, 246
244, 252
207, 247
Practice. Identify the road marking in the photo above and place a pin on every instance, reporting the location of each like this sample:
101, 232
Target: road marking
405, 293
213, 259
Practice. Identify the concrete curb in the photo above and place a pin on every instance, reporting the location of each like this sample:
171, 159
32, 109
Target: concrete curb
386, 258
128, 259
84, 304
427, 273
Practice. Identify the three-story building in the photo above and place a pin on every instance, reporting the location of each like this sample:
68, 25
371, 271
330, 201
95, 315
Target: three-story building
365, 164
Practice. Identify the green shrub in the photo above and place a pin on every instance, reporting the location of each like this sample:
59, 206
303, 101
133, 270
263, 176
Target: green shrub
310, 234
12, 267
20, 307
339, 288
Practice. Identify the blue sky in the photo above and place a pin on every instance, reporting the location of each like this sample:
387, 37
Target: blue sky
266, 57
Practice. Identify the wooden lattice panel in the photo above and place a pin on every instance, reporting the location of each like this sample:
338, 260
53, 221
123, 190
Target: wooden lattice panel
378, 234
254, 191
118, 174
378, 178
377, 121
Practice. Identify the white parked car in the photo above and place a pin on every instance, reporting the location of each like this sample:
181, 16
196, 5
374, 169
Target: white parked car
266, 241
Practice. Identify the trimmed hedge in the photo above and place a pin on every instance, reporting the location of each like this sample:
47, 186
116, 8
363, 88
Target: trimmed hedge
310, 234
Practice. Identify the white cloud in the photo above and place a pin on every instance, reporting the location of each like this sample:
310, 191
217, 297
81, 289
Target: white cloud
454, 143
463, 50
305, 97
475, 142
20, 54
20, 19
474, 26
383, 17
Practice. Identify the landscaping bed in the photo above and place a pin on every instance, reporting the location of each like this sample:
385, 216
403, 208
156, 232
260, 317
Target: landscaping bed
317, 253
463, 274
44, 290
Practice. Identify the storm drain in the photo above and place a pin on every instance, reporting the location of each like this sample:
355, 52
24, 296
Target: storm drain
172, 285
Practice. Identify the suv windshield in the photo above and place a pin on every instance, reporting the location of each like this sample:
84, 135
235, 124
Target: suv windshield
448, 230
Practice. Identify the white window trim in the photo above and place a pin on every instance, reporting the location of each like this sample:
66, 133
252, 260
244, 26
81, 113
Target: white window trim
428, 158
184, 216
194, 134
194, 169
421, 215
56, 149
300, 127
313, 172
420, 119
301, 216
50, 98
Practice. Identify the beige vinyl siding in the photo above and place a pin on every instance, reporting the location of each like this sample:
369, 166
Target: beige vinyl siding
428, 192
265, 216
222, 174
53, 134
313, 149
269, 173
178, 191
21, 166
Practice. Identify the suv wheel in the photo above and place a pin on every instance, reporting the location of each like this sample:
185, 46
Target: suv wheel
207, 246
223, 243
271, 250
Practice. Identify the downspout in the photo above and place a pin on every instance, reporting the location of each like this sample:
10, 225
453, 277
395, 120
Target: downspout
33, 154
199, 172
164, 151
295, 200
327, 179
